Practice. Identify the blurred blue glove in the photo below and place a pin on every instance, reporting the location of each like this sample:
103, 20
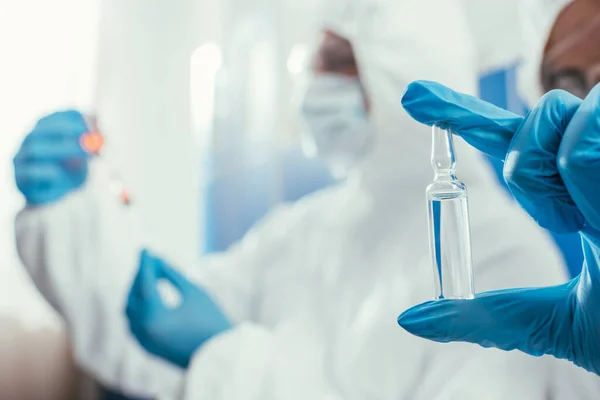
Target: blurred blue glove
552, 167
51, 162
172, 333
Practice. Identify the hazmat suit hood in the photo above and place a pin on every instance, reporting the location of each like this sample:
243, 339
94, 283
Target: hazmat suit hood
395, 43
538, 19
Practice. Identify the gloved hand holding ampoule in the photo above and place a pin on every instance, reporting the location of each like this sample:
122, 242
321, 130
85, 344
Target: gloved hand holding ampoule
552, 167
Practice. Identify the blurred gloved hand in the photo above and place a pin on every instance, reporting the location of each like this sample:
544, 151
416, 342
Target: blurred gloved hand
50, 162
172, 333
552, 167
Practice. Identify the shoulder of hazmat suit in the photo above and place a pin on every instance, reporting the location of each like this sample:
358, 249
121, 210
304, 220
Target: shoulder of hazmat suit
314, 291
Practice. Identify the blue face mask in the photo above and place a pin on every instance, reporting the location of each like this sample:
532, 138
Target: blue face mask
336, 121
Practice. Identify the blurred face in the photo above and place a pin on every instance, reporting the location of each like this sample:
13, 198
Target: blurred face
335, 56
334, 108
572, 55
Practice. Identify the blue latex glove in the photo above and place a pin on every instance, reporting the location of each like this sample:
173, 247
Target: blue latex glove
552, 167
171, 333
50, 162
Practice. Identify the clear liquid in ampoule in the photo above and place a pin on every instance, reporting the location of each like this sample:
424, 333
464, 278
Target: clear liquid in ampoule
450, 243
449, 230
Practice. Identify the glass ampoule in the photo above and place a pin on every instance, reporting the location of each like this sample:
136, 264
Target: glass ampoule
449, 231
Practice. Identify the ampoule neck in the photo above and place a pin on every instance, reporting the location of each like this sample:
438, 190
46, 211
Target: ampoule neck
443, 158
445, 175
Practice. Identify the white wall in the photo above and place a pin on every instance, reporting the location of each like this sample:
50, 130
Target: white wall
144, 109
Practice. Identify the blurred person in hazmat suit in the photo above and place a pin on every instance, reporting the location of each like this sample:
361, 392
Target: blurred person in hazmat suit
305, 306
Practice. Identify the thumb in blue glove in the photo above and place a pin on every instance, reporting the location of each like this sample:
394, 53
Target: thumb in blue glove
552, 167
50, 162
172, 333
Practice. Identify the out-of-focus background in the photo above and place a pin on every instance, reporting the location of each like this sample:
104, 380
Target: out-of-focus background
199, 86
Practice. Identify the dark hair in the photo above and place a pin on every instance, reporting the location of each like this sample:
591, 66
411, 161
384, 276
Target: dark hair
335, 54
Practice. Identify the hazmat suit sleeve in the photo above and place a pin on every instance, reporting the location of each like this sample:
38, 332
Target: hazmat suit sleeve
254, 361
82, 253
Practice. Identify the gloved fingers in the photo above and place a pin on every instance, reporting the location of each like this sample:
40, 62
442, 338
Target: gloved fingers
149, 330
50, 149
140, 328
136, 329
39, 181
51, 174
141, 315
144, 336
144, 290
483, 125
579, 158
56, 131
149, 276
535, 321
69, 121
175, 277
589, 280
531, 169
29, 174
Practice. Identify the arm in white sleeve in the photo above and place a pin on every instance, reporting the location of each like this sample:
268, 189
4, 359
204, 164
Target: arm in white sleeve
82, 253
254, 362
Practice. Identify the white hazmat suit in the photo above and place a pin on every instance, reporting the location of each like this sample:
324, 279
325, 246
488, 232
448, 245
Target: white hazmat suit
314, 290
